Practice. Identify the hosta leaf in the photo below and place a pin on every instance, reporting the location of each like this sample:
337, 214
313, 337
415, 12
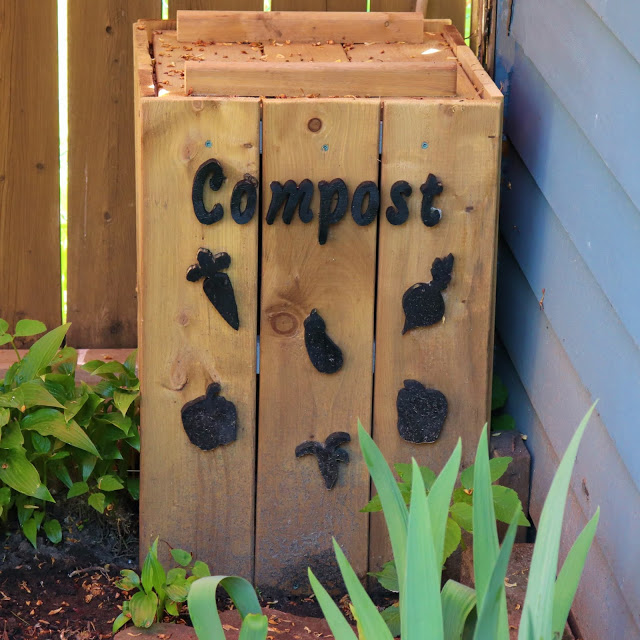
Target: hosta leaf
19, 474
49, 422
40, 444
177, 575
12, 437
142, 607
78, 489
130, 363
86, 462
53, 530
5, 496
25, 328
27, 395
5, 416
110, 483
124, 399
61, 472
177, 593
120, 621
171, 608
30, 530
104, 367
72, 407
41, 354
97, 501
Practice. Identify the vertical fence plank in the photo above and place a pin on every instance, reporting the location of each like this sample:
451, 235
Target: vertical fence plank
455, 355
346, 5
29, 165
455, 10
318, 140
195, 499
101, 265
393, 5
214, 5
298, 5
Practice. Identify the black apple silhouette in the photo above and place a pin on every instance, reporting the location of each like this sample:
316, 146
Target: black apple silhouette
421, 412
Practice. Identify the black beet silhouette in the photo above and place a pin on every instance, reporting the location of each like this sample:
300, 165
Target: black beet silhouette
210, 421
324, 353
423, 303
216, 285
421, 412
328, 455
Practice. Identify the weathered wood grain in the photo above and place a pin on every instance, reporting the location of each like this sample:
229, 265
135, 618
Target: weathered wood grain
214, 5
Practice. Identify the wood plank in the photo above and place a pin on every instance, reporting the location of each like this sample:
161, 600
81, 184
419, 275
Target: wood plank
301, 52
432, 49
297, 403
29, 165
252, 26
101, 264
185, 343
321, 79
476, 73
214, 5
393, 5
298, 5
454, 356
346, 5
455, 10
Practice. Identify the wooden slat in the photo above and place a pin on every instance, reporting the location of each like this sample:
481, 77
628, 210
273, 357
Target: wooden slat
214, 5
305, 53
29, 167
455, 10
194, 499
101, 265
297, 403
478, 76
252, 26
321, 79
454, 356
346, 5
393, 5
299, 5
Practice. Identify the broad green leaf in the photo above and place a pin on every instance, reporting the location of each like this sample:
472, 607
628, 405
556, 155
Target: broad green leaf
5, 338
28, 395
86, 462
72, 407
182, 557
462, 513
19, 474
49, 422
30, 530
147, 574
78, 489
177, 592
254, 627
395, 509
61, 472
499, 394
200, 569
537, 612
4, 325
124, 399
5, 416
404, 470
458, 601
120, 621
25, 328
177, 574
41, 354
171, 608
388, 577
373, 626
130, 580
92, 366
391, 615
503, 422
202, 603
65, 362
97, 501
506, 503
420, 607
12, 437
106, 367
130, 363
452, 538
497, 468
53, 530
569, 576
40, 444
5, 496
109, 483
337, 623
118, 420
142, 607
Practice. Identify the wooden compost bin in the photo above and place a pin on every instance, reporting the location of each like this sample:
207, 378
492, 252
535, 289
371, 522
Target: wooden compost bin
232, 107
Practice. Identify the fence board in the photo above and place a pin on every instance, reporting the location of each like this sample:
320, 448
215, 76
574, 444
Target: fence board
299, 5
298, 403
194, 499
29, 165
102, 271
453, 356
452, 9
214, 5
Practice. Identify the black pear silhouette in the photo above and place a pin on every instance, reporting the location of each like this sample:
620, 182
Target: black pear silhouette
328, 455
324, 353
423, 303
210, 421
421, 412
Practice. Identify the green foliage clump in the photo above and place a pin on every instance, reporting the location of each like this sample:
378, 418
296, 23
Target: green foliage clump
58, 436
157, 591
500, 421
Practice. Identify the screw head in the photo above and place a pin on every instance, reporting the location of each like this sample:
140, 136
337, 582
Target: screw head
208, 144
325, 147
425, 145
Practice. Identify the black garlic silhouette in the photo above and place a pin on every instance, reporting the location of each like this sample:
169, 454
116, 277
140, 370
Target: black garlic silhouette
210, 421
421, 412
324, 353
423, 303
328, 455
217, 285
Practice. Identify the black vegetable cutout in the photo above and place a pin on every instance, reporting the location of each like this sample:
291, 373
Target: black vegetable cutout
363, 218
421, 412
330, 214
216, 285
247, 186
328, 455
210, 421
209, 168
430, 189
399, 191
294, 197
324, 353
423, 303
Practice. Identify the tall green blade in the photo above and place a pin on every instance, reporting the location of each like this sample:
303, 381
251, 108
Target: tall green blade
254, 627
458, 601
569, 577
492, 614
393, 506
440, 499
372, 623
203, 609
340, 628
537, 612
420, 607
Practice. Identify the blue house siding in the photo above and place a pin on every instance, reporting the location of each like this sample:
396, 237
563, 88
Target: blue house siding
570, 223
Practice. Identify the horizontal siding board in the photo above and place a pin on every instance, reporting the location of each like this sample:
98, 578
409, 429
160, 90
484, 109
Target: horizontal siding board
575, 304
596, 212
594, 75
559, 400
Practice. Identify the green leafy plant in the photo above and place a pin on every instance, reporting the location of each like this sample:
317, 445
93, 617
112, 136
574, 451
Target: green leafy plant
157, 591
505, 504
500, 421
55, 433
456, 612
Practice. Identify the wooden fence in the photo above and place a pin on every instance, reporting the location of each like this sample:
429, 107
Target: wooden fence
101, 301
